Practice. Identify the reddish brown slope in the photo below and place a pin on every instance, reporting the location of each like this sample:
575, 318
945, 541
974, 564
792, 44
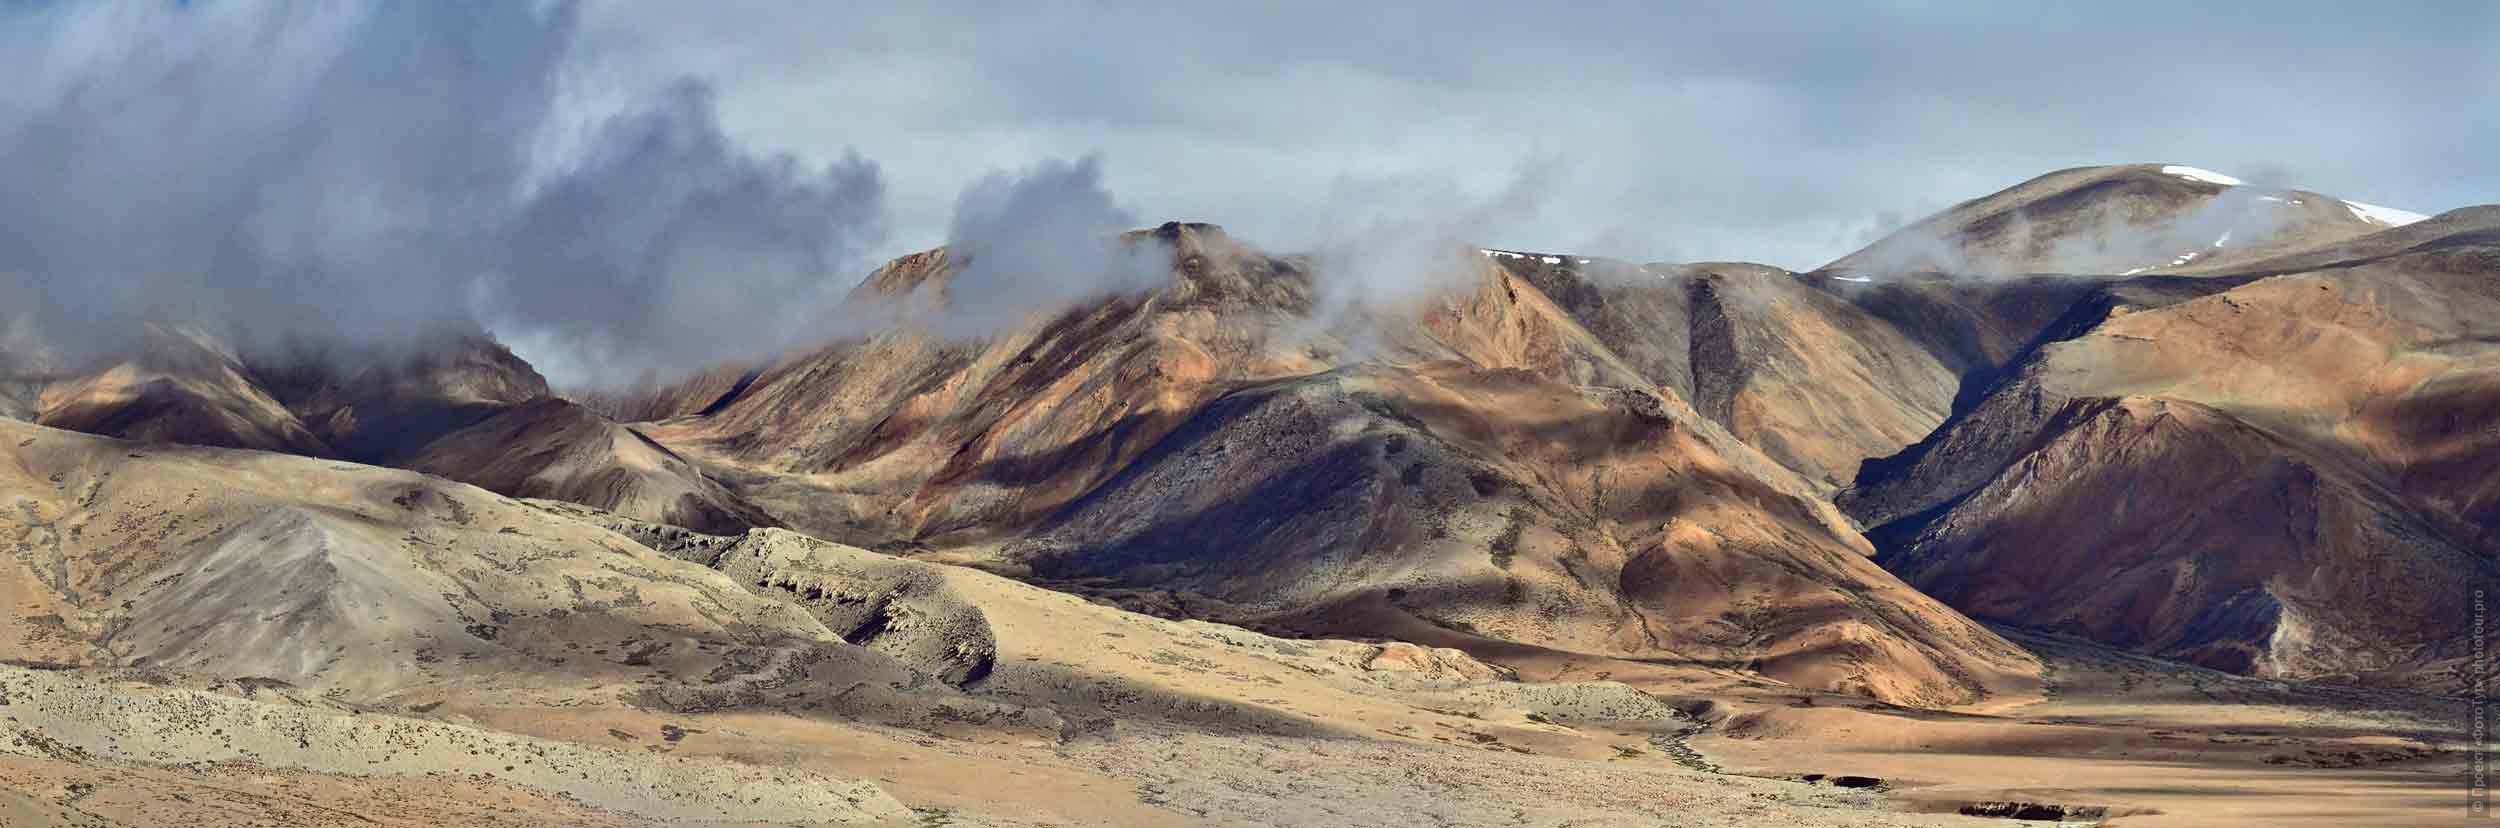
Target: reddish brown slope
1482, 461
1494, 503
180, 386
1786, 362
922, 437
2177, 530
2285, 477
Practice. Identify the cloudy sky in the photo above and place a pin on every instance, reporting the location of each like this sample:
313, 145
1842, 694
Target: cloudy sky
1771, 132
619, 188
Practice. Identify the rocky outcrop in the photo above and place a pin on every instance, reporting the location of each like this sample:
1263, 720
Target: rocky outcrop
904, 610
901, 608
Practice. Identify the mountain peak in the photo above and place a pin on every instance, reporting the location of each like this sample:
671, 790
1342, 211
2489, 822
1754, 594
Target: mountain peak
2118, 220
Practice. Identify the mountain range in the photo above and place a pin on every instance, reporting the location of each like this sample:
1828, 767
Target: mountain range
2140, 420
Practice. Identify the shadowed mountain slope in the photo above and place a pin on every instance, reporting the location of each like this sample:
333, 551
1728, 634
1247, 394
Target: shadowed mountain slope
463, 407
180, 386
2286, 477
214, 636
554, 449
1784, 361
1478, 457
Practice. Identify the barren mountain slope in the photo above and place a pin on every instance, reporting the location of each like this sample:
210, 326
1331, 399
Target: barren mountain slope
2281, 477
2124, 219
2461, 230
1574, 472
944, 439
341, 578
657, 400
1799, 372
1981, 282
2176, 530
916, 435
288, 641
472, 411
1491, 503
1978, 284
1213, 724
383, 405
179, 386
463, 407
1480, 455
556, 449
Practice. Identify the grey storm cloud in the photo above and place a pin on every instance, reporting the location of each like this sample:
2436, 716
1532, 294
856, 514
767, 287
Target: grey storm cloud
1043, 236
667, 249
321, 171
623, 188
372, 175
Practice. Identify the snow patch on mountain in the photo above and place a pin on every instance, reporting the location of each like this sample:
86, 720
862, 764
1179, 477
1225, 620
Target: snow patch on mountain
2389, 216
2200, 174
